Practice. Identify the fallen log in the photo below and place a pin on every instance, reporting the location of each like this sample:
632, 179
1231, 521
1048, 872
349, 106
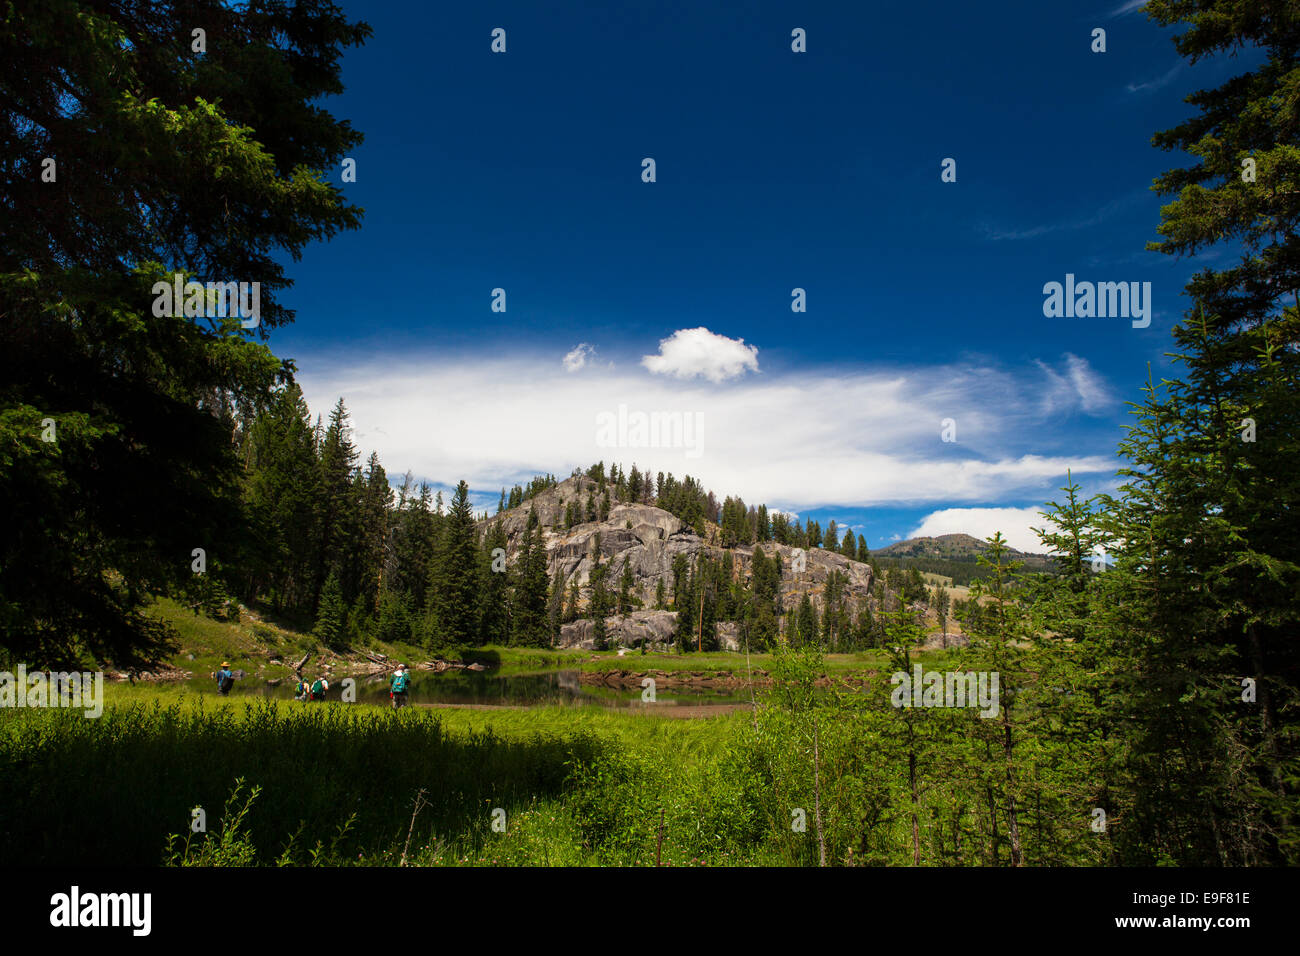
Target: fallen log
439, 666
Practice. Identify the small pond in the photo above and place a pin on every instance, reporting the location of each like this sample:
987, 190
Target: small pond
484, 688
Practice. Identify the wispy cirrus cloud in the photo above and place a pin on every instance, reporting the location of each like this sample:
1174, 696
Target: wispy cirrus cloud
1082, 221
1160, 82
1076, 387
1132, 6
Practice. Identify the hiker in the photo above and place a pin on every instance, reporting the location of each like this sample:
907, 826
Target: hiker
225, 679
401, 682
318, 688
302, 691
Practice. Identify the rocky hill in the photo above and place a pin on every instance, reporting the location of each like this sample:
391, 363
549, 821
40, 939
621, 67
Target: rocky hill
960, 548
649, 538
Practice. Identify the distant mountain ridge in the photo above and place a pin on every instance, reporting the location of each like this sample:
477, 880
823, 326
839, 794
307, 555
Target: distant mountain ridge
953, 546
953, 555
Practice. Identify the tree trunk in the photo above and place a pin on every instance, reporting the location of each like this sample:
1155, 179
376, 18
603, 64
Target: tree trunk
1012, 821
916, 832
817, 799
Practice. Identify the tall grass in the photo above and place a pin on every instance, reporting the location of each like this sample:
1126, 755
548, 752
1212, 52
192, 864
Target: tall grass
111, 790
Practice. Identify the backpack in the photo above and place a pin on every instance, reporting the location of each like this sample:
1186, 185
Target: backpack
317, 690
226, 681
399, 683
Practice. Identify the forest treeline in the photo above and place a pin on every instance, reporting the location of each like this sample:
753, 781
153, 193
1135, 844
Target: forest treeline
340, 550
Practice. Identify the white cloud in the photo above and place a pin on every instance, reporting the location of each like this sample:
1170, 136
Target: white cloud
1014, 523
798, 441
1150, 86
699, 353
1092, 391
1077, 386
576, 358
1131, 6
1085, 219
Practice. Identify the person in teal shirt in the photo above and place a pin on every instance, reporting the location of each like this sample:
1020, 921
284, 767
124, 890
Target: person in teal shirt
401, 684
225, 679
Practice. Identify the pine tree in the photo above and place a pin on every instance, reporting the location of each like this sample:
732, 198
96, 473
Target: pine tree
494, 623
339, 525
282, 492
454, 574
849, 547
625, 583
1206, 530
531, 623
571, 612
555, 606
375, 506
806, 629
599, 601
331, 618
152, 143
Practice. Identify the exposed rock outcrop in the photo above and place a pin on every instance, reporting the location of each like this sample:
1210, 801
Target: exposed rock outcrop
648, 539
639, 627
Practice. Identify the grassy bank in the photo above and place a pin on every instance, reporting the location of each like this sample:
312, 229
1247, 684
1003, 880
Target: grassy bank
253, 642
358, 784
343, 778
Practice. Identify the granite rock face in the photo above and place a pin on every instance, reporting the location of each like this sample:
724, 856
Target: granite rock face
648, 539
639, 627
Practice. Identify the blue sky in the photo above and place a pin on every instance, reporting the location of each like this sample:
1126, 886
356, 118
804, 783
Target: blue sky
775, 170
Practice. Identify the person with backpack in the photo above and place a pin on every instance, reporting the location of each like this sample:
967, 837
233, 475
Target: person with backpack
318, 688
401, 684
225, 679
302, 691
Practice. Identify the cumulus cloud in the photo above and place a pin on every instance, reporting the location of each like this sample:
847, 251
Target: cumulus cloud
699, 353
795, 440
1014, 523
576, 358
